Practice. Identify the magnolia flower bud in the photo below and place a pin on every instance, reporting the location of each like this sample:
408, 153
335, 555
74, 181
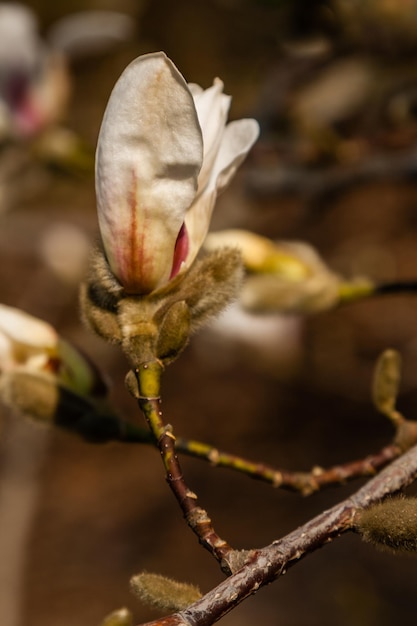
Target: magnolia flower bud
39, 371
164, 153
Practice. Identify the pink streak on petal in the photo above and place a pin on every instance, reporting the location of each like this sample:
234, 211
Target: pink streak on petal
139, 268
180, 252
135, 266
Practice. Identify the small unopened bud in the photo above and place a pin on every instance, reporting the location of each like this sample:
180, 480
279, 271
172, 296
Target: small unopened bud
211, 285
173, 332
391, 524
121, 617
283, 276
387, 377
267, 293
163, 593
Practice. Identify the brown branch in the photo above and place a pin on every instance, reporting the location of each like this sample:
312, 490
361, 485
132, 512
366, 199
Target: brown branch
267, 564
197, 518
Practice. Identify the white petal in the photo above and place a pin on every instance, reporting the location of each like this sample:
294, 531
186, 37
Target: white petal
238, 138
197, 222
24, 329
149, 154
195, 89
212, 108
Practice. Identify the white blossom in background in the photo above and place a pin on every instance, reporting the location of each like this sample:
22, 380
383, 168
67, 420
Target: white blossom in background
34, 84
164, 154
65, 249
34, 78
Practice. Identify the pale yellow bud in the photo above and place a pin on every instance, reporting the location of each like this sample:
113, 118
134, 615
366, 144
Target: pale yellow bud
260, 254
282, 277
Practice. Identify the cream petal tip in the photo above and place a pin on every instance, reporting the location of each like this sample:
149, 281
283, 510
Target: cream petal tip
24, 328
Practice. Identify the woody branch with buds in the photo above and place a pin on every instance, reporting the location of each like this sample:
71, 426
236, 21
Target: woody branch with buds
164, 153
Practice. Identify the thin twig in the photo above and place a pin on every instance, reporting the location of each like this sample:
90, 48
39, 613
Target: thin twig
396, 288
304, 482
267, 564
111, 428
148, 377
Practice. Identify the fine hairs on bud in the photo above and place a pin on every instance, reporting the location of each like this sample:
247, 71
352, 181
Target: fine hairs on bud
158, 325
99, 298
163, 593
211, 285
173, 332
391, 524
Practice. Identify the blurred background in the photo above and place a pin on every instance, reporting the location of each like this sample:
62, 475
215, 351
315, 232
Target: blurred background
334, 87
